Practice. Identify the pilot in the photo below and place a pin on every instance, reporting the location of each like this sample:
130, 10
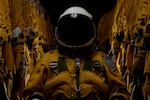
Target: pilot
75, 70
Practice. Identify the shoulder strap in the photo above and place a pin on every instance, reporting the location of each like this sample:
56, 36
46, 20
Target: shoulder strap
61, 65
88, 64
56, 61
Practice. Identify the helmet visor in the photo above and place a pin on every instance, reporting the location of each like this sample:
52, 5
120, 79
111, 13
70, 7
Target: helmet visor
75, 29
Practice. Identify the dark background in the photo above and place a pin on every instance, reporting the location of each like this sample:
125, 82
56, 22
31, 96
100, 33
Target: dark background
96, 7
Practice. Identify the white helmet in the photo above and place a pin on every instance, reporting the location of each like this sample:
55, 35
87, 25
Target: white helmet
75, 28
76, 10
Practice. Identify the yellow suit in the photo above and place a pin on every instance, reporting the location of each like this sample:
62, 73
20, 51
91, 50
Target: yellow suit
20, 23
53, 82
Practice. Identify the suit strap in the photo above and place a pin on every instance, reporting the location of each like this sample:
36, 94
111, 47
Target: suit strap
62, 65
88, 64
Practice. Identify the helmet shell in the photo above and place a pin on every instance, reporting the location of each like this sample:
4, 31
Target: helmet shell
75, 28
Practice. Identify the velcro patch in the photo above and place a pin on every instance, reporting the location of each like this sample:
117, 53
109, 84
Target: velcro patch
16, 32
110, 63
